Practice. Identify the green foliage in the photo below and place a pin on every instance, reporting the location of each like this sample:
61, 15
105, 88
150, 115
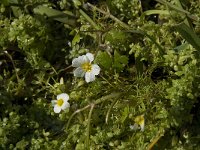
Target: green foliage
117, 62
189, 35
118, 39
104, 60
149, 59
125, 9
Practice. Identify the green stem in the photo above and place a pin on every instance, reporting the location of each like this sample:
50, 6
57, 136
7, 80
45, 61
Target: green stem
98, 101
107, 81
155, 140
126, 26
89, 19
11, 59
113, 95
108, 15
154, 41
88, 127
109, 110
77, 111
65, 69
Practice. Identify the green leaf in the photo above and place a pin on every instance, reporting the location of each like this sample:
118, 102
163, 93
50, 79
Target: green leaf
125, 114
76, 39
5, 2
54, 14
16, 10
22, 144
104, 60
189, 35
77, 3
139, 66
161, 12
115, 36
181, 47
120, 61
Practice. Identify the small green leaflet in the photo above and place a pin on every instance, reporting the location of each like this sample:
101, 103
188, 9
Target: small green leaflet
120, 61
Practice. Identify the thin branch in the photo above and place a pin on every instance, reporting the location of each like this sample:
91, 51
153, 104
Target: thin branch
61, 70
98, 101
92, 7
15, 69
107, 81
155, 140
126, 26
89, 19
109, 110
76, 112
88, 127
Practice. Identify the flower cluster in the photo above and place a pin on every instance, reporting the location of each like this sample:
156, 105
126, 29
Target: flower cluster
84, 67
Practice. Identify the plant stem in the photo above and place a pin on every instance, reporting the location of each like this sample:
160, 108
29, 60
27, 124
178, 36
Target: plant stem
155, 140
107, 81
109, 110
126, 26
88, 127
98, 101
77, 111
89, 19
10, 57
112, 95
109, 15
61, 70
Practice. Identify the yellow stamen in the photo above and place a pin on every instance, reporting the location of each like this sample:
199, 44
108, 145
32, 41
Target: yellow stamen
60, 102
139, 120
87, 67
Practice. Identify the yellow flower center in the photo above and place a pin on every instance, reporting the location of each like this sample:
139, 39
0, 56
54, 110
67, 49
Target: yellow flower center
60, 102
140, 120
87, 67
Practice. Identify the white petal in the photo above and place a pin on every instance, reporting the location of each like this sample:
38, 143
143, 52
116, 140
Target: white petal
84, 59
76, 62
142, 127
54, 102
63, 96
131, 127
89, 77
57, 109
65, 105
134, 127
79, 72
95, 69
90, 56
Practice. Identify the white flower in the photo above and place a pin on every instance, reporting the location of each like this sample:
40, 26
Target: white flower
139, 121
61, 103
85, 68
